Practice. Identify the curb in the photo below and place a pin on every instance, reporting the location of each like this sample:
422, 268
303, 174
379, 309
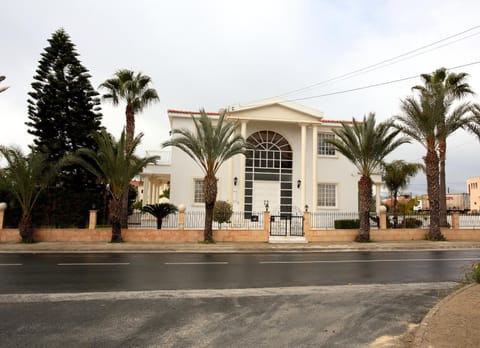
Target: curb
419, 337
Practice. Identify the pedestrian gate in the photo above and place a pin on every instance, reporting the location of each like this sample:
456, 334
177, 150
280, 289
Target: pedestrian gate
286, 225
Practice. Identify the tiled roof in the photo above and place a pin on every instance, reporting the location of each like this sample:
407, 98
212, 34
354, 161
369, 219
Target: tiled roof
191, 112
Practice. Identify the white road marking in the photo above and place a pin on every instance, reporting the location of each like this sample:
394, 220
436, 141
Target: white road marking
368, 261
197, 263
95, 264
11, 264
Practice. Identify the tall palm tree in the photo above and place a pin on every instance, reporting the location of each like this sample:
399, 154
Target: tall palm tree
115, 167
160, 211
134, 89
366, 145
396, 176
26, 177
443, 89
419, 120
209, 146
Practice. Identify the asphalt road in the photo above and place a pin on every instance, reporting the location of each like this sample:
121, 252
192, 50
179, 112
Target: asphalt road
57, 273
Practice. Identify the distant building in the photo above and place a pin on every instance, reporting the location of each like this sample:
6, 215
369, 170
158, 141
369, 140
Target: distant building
473, 185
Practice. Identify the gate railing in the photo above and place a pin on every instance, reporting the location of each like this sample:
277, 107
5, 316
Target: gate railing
287, 225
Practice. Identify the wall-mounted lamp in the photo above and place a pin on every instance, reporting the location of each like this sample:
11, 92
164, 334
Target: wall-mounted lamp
235, 181
299, 183
265, 203
306, 208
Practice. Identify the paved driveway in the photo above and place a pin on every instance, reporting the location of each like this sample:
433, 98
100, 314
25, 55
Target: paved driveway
333, 316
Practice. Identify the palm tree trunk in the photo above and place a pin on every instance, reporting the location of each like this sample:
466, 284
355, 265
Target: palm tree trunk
159, 223
432, 172
25, 227
115, 219
443, 186
365, 194
210, 194
129, 134
395, 209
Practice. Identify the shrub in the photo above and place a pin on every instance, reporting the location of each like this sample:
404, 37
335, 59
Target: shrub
222, 212
412, 223
472, 275
347, 224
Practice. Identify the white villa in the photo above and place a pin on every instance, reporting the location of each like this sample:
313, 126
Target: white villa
291, 169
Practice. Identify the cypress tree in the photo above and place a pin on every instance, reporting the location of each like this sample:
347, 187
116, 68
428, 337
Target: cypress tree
64, 110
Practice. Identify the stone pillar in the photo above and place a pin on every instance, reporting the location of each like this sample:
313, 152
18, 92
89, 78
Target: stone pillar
303, 161
306, 223
181, 216
266, 223
3, 206
455, 220
313, 205
383, 217
92, 220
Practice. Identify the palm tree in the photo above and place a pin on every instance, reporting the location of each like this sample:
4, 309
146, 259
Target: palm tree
396, 176
419, 120
26, 177
115, 167
160, 211
209, 146
366, 145
474, 125
442, 90
135, 90
2, 89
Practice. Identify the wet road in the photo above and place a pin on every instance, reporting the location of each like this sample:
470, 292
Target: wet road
54, 273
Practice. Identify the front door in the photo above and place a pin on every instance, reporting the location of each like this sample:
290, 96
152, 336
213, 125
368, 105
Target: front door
266, 190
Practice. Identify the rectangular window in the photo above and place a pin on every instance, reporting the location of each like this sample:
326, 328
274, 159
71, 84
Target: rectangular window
327, 195
198, 191
324, 148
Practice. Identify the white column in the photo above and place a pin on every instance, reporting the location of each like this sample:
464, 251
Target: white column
378, 188
241, 176
146, 184
150, 193
303, 161
230, 181
313, 204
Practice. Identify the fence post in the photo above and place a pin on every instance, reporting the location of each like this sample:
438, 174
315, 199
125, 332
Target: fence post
3, 206
383, 217
181, 216
266, 222
92, 220
455, 220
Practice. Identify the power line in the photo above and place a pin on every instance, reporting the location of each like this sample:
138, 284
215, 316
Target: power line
379, 64
376, 84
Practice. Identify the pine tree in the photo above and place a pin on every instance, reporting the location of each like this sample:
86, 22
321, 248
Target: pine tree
64, 111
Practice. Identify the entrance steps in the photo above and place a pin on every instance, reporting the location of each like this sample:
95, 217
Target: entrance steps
287, 239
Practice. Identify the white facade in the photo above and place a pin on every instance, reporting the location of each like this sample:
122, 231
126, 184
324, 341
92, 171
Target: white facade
291, 167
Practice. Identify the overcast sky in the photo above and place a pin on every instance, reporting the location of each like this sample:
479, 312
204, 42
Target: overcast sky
216, 53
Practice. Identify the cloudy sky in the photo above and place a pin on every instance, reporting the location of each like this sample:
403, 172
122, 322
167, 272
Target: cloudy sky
216, 53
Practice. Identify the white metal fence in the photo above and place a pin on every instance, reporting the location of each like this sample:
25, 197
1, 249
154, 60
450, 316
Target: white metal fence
318, 220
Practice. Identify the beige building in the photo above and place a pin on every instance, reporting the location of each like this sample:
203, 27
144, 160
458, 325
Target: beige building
291, 168
473, 185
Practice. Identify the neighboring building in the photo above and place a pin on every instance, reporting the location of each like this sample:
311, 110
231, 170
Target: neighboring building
291, 167
473, 185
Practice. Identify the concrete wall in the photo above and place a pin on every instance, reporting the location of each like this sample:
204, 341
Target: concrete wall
193, 236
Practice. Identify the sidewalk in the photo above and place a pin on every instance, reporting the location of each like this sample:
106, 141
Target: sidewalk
232, 247
453, 322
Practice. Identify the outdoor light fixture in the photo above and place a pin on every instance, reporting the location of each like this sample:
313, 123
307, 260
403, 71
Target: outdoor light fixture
299, 183
306, 208
265, 203
235, 181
